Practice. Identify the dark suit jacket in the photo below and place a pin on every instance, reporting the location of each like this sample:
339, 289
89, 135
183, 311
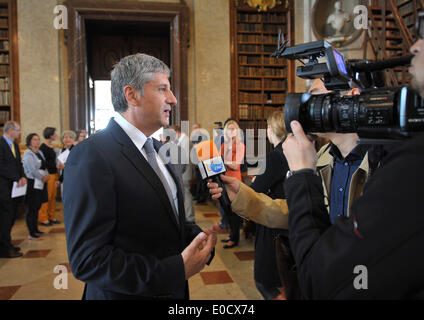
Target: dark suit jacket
11, 168
123, 238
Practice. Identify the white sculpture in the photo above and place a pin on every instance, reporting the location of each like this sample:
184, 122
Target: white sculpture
338, 18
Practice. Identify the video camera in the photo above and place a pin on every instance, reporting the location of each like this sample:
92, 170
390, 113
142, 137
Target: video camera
377, 115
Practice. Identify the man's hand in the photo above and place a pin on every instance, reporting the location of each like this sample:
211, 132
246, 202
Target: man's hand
60, 165
45, 178
22, 182
299, 150
231, 184
197, 253
211, 233
57, 184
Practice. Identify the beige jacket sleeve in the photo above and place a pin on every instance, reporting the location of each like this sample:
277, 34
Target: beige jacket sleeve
258, 207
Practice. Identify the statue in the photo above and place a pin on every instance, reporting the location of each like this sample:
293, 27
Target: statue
338, 18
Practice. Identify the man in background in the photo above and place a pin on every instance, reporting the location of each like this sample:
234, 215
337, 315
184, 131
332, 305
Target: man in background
11, 170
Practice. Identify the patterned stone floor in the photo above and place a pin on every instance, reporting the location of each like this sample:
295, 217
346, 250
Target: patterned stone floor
40, 273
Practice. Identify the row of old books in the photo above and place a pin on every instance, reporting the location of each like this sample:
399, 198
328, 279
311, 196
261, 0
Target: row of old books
275, 84
250, 112
4, 97
250, 83
4, 83
4, 45
260, 98
250, 48
251, 97
255, 17
4, 23
257, 71
4, 70
255, 112
4, 116
245, 59
4, 58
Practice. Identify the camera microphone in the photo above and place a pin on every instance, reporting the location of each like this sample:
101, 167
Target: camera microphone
211, 165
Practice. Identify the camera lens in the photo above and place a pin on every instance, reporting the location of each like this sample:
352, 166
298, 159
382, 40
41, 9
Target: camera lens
375, 112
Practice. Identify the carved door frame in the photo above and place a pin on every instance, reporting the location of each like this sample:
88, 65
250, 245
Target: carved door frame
79, 11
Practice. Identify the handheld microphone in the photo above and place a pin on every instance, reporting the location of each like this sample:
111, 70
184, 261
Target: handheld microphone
211, 165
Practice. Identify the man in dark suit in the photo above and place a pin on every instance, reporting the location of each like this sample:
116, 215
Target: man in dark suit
11, 170
126, 231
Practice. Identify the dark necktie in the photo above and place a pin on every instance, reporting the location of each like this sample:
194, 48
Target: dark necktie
151, 158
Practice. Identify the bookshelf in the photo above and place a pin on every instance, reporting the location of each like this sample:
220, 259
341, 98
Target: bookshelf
259, 83
9, 87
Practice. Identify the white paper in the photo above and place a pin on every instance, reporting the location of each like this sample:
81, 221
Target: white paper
63, 156
38, 184
18, 191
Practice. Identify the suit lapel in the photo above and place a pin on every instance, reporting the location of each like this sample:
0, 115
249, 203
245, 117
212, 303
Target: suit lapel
134, 156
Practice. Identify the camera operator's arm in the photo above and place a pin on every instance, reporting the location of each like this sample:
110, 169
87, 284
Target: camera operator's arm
258, 207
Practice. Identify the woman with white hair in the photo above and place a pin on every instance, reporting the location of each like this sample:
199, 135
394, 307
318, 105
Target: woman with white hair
68, 140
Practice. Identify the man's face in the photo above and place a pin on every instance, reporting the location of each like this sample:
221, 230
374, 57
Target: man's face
417, 66
156, 103
14, 133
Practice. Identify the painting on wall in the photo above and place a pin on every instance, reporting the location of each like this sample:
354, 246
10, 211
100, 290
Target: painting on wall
334, 21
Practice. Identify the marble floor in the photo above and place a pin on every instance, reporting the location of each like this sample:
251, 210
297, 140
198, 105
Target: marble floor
43, 272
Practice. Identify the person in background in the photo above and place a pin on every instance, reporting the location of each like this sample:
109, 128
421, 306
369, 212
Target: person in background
68, 140
182, 141
82, 135
232, 151
35, 167
11, 171
46, 215
199, 189
271, 183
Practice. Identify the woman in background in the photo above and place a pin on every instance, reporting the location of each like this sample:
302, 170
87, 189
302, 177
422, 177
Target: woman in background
46, 215
271, 183
232, 151
68, 140
35, 168
82, 135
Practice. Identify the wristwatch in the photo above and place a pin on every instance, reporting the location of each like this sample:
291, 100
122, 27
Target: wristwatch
293, 172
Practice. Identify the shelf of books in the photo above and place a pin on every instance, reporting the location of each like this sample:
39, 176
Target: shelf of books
259, 82
8, 109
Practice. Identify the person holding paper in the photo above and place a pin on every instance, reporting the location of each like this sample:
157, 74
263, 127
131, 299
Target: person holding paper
11, 171
36, 171
68, 140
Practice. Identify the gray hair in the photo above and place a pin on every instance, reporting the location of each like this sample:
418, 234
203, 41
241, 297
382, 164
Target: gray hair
69, 133
9, 125
135, 71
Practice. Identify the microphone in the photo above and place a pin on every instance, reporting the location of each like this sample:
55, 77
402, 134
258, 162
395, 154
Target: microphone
211, 165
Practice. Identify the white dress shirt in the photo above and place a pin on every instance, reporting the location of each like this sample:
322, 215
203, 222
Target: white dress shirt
139, 138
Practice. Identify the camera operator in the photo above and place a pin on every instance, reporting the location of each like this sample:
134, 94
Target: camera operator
383, 237
343, 165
